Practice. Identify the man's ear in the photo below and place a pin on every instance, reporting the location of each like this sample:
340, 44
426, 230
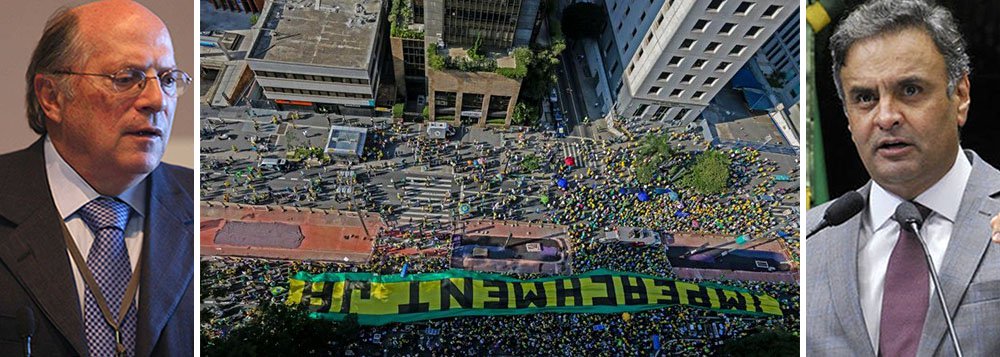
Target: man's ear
962, 96
48, 94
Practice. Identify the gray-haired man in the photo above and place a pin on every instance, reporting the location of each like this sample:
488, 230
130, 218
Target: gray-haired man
903, 75
96, 234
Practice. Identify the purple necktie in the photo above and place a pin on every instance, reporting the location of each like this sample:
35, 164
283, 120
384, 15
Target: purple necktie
108, 260
906, 296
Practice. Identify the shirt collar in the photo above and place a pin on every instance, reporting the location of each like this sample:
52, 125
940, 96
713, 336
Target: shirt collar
70, 191
944, 197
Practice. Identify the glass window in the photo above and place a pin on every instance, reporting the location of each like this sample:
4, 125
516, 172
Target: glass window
700, 25
744, 8
771, 12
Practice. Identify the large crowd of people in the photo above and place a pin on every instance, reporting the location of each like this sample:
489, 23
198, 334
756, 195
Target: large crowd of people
588, 200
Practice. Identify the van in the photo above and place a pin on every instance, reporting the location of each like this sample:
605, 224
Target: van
271, 163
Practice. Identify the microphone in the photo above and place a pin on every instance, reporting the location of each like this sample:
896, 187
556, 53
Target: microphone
910, 219
26, 326
840, 211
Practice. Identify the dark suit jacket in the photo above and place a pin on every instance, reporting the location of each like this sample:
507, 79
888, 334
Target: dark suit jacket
35, 270
970, 280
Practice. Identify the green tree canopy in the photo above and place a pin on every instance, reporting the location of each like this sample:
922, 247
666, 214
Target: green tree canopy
709, 174
584, 19
765, 343
653, 152
280, 330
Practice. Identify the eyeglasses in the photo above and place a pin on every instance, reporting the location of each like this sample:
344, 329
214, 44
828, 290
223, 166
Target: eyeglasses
131, 81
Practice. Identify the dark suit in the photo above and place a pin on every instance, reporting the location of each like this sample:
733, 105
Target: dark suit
970, 279
35, 270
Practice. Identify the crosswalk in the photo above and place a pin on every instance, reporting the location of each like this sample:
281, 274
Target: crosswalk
427, 198
578, 153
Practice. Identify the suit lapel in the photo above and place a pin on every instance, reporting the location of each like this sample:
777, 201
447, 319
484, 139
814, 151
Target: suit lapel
168, 258
35, 252
969, 240
843, 270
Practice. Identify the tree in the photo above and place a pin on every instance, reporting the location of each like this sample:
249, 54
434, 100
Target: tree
654, 151
530, 163
524, 114
584, 19
397, 110
710, 173
765, 343
541, 72
434, 59
281, 330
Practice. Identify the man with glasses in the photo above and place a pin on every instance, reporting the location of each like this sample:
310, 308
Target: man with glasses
96, 234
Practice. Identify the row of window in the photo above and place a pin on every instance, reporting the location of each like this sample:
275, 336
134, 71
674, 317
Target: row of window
309, 77
661, 112
320, 93
744, 8
676, 93
688, 79
726, 29
470, 101
676, 61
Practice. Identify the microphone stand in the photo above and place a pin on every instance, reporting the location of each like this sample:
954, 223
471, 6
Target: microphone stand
937, 288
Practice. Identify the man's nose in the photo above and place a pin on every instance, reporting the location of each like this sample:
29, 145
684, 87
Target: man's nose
151, 99
887, 113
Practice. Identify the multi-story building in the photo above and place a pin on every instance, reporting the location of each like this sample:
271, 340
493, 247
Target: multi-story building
322, 55
466, 51
665, 60
253, 6
776, 63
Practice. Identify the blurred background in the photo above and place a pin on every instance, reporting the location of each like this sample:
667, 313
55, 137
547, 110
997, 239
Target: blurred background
22, 23
833, 163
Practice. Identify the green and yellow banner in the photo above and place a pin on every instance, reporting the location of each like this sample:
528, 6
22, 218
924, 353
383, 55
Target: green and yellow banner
382, 299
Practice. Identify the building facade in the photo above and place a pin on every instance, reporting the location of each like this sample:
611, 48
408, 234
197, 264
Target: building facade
665, 60
325, 57
492, 28
777, 63
253, 6
457, 30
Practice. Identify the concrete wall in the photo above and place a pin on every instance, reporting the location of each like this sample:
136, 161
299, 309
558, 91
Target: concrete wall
398, 67
486, 83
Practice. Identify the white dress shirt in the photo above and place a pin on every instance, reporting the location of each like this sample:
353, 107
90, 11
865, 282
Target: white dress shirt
879, 234
70, 192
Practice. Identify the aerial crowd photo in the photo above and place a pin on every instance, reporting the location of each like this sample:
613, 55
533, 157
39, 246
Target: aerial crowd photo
500, 178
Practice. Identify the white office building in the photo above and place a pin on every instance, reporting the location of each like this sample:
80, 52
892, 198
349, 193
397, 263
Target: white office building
776, 64
664, 60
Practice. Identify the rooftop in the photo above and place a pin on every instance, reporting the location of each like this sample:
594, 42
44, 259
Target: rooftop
333, 33
346, 140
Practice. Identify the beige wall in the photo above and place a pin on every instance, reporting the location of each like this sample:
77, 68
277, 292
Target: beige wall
486, 83
21, 24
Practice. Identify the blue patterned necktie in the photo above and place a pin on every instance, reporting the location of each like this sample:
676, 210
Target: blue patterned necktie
108, 261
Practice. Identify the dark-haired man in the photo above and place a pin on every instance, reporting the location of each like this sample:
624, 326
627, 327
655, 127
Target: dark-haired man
903, 76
